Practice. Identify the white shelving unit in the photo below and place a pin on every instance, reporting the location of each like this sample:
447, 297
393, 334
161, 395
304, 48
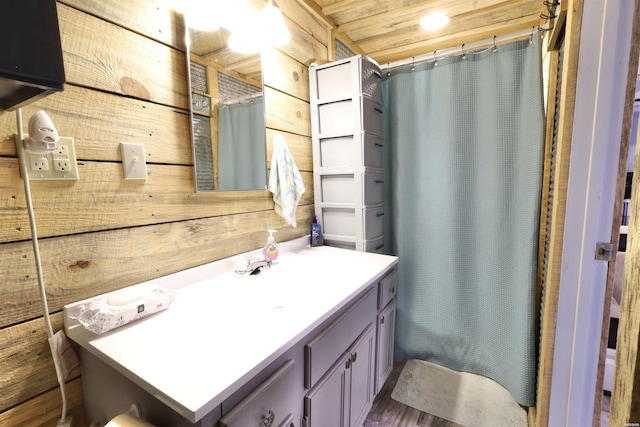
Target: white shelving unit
346, 119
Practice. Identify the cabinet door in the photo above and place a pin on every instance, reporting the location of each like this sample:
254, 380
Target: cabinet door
327, 403
386, 333
362, 376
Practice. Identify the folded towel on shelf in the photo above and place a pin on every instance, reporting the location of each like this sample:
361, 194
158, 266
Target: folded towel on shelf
285, 181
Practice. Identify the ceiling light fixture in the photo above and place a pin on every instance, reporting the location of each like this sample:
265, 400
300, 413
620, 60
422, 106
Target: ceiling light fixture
275, 29
434, 21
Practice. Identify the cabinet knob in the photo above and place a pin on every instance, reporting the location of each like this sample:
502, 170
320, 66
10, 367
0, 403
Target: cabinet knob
382, 320
393, 289
354, 356
267, 420
348, 364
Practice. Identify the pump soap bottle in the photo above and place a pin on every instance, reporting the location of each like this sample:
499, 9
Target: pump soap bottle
271, 250
316, 232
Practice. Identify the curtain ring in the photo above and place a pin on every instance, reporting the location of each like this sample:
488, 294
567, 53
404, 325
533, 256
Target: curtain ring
495, 48
532, 30
388, 68
435, 60
464, 54
413, 63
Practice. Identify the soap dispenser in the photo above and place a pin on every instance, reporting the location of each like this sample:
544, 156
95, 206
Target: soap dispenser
271, 250
316, 233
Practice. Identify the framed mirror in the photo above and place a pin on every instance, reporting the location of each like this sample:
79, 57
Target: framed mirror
227, 114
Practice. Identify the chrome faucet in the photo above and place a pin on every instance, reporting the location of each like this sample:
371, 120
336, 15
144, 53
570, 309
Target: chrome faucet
253, 267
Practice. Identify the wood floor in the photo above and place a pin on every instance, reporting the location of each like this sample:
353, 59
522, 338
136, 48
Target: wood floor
386, 412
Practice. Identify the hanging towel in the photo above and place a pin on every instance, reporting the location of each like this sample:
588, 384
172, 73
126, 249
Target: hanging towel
285, 181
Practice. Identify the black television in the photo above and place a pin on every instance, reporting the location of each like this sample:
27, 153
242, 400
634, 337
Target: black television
31, 64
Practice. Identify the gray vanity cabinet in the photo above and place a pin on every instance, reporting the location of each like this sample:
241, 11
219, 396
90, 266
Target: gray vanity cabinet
343, 397
386, 324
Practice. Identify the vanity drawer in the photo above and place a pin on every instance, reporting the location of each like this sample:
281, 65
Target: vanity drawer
360, 150
387, 288
325, 349
270, 404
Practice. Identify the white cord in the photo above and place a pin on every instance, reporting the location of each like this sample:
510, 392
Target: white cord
36, 252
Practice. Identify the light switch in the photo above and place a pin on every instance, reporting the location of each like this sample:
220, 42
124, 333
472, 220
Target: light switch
134, 164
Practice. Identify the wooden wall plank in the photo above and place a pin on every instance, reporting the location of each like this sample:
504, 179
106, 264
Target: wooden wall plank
625, 402
80, 266
566, 110
287, 113
625, 140
304, 47
128, 64
161, 22
285, 74
45, 409
300, 16
99, 121
102, 199
300, 147
126, 81
26, 367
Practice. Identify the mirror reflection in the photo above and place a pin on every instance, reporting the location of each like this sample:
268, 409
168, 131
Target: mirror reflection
227, 112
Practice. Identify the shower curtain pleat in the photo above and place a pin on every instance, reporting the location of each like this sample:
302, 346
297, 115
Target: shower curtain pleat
241, 146
465, 160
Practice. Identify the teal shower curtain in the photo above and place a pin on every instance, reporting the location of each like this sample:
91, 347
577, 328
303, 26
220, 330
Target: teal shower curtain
466, 153
242, 154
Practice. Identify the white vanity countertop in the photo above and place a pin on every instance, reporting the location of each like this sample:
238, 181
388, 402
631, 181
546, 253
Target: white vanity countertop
221, 330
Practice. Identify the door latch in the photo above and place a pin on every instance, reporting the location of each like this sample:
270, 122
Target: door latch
604, 251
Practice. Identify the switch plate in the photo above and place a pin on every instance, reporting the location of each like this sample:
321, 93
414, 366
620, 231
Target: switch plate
61, 164
134, 164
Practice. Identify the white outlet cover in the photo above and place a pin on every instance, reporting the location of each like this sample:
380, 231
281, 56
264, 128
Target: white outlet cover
134, 164
65, 152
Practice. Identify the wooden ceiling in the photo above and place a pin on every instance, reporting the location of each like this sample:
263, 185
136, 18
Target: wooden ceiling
388, 30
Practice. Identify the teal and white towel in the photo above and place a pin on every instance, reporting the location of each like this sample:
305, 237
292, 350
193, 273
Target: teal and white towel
285, 181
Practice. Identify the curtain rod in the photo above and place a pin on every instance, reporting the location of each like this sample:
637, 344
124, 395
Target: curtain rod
439, 54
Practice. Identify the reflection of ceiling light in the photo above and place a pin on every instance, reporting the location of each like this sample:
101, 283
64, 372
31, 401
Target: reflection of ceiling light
434, 21
244, 42
275, 29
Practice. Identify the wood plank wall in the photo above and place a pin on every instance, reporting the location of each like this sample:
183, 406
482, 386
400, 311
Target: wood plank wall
126, 81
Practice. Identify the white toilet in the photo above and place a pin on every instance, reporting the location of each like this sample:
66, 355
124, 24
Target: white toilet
128, 420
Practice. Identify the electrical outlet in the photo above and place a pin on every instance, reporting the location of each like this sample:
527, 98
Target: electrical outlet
61, 150
60, 164
38, 163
